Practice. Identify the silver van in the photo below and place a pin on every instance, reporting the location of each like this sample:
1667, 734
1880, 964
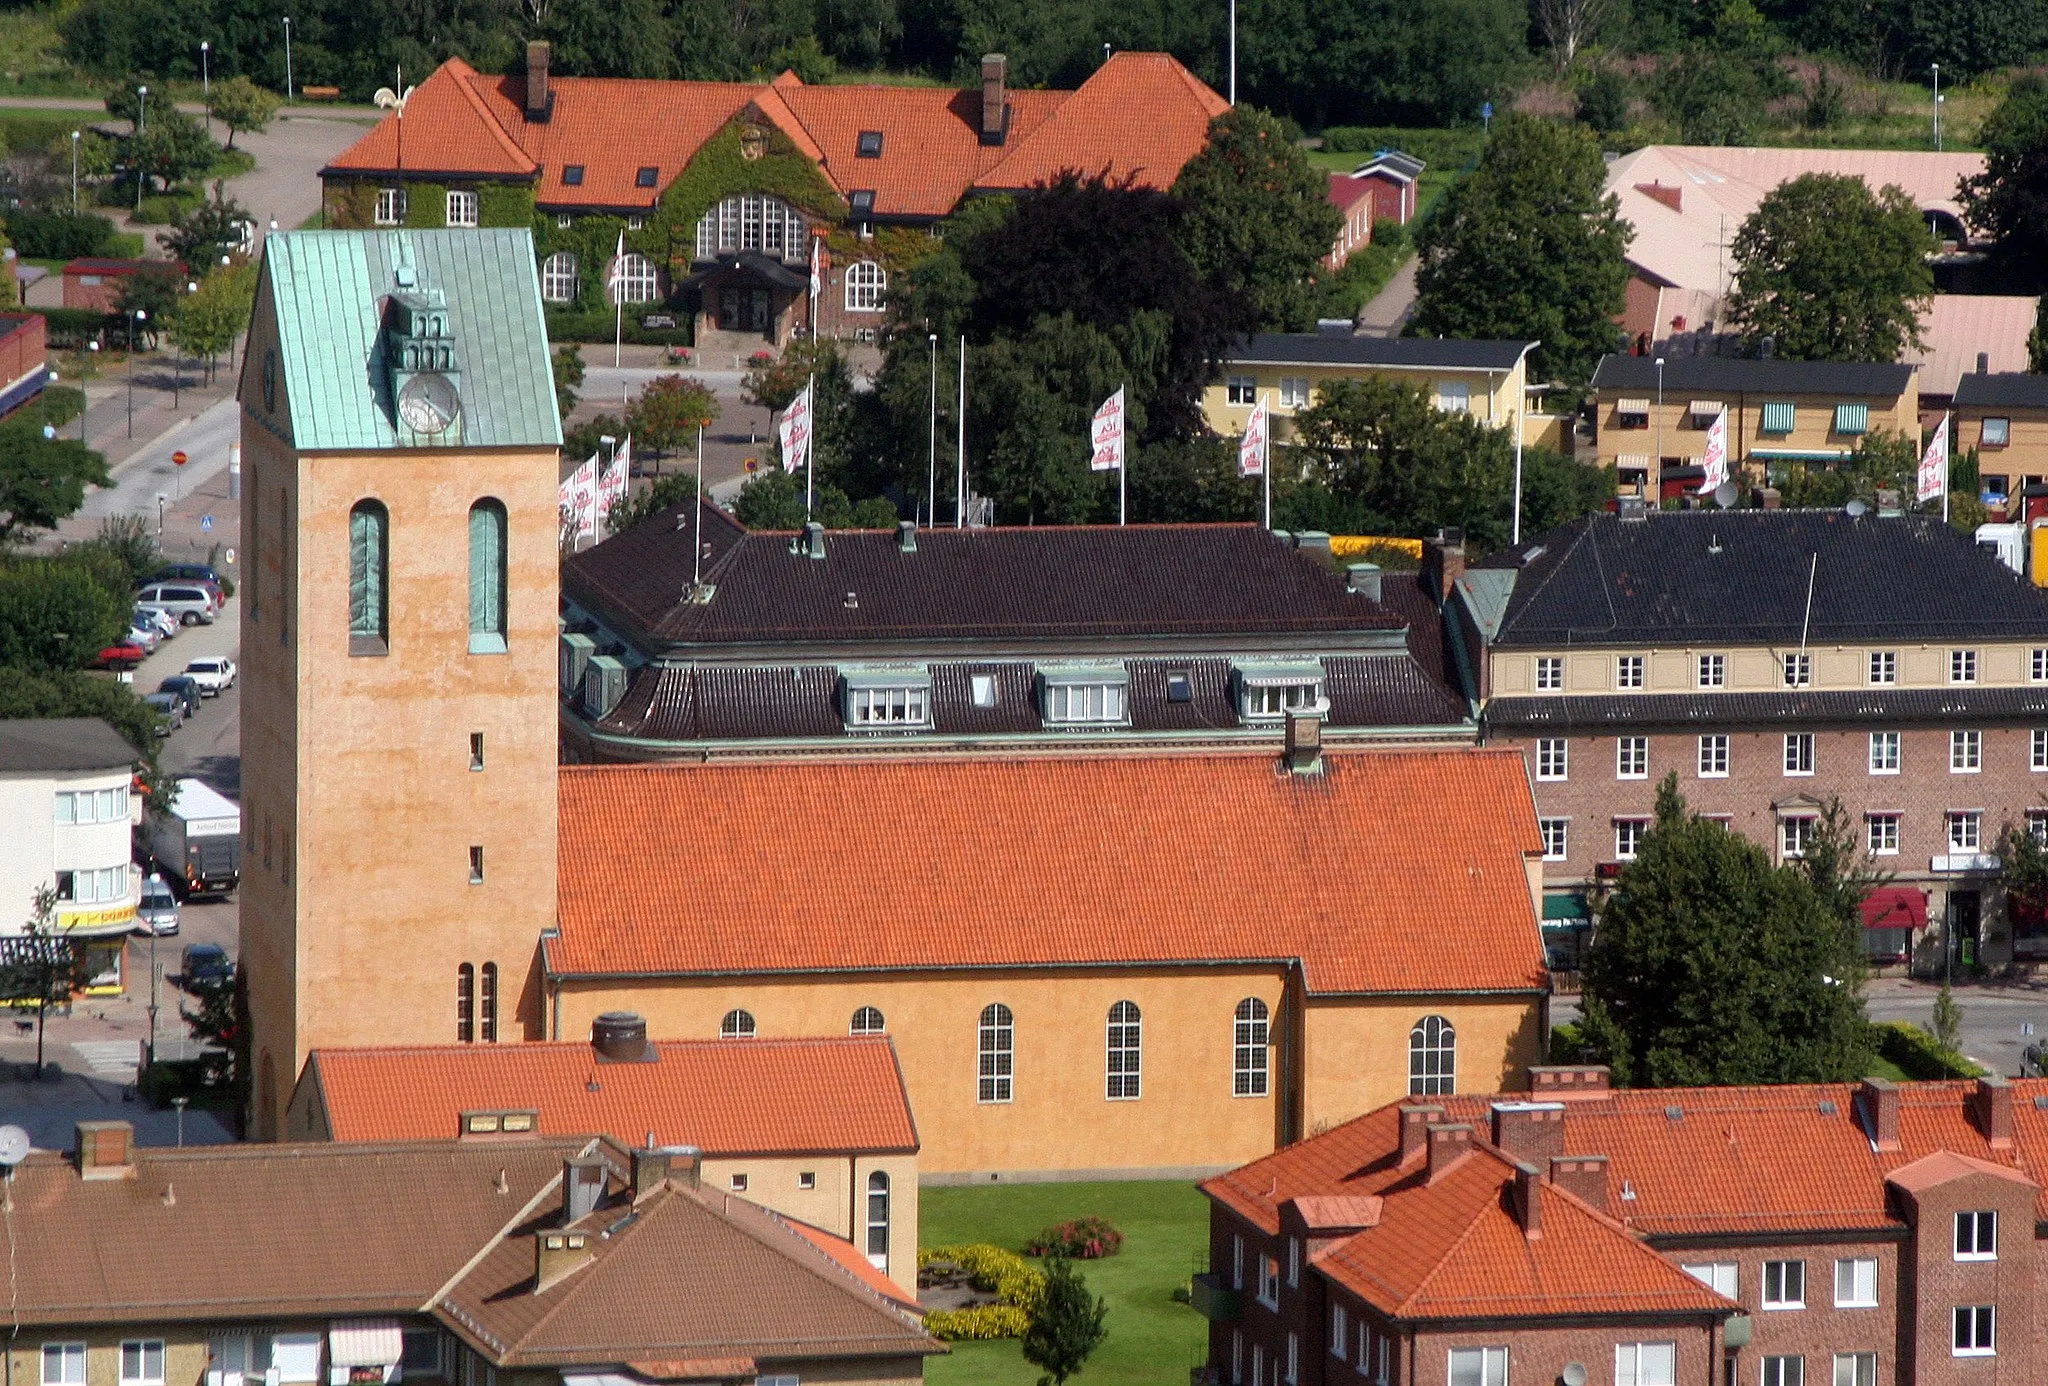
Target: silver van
158, 912
190, 604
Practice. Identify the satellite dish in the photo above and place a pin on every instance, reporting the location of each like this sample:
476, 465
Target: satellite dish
1574, 1374
1724, 495
14, 1145
1857, 509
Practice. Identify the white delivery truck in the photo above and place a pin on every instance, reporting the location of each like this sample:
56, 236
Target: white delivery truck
197, 842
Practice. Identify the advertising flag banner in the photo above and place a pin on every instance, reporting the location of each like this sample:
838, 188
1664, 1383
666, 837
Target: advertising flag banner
565, 504
1714, 465
793, 431
1106, 435
616, 280
1933, 482
817, 267
583, 499
1251, 449
611, 488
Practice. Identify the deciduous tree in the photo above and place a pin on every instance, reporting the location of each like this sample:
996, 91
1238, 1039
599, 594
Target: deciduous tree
2009, 200
242, 106
56, 615
209, 235
39, 967
1830, 271
1258, 219
42, 480
668, 413
1066, 1326
172, 148
1529, 247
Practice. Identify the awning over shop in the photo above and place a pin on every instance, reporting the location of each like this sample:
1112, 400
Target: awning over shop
1705, 408
1895, 907
1800, 454
365, 1343
1565, 909
1632, 406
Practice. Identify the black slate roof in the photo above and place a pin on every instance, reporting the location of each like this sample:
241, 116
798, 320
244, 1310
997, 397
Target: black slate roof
53, 744
973, 584
1740, 577
1879, 707
1317, 349
1686, 375
2005, 390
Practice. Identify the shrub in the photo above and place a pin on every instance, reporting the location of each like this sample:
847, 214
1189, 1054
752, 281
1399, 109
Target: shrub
60, 235
1919, 1054
983, 1321
992, 1270
566, 326
70, 328
1440, 149
1083, 1239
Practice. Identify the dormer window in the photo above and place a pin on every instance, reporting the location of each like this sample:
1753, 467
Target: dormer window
870, 146
863, 204
645, 177
887, 700
1268, 692
1093, 696
572, 175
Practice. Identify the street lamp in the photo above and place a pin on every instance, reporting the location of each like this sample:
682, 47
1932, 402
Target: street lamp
1658, 470
139, 315
206, 79
287, 57
141, 119
931, 481
1936, 68
85, 400
74, 170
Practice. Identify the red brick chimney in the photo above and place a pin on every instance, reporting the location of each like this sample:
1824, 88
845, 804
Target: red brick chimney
1528, 1200
1449, 1142
1443, 562
1991, 1108
1415, 1124
1673, 198
1880, 1099
1584, 1177
1532, 1131
1568, 1082
538, 101
995, 115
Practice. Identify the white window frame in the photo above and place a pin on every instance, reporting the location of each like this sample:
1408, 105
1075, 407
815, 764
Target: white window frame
1553, 759
1123, 1052
1269, 1281
860, 1024
1881, 834
2038, 760
1241, 389
1453, 396
738, 1023
867, 283
888, 706
1628, 671
1549, 673
1556, 837
1722, 1277
1251, 1039
1798, 670
1086, 702
1785, 1272
1628, 837
463, 207
1713, 756
638, 279
1712, 671
1798, 754
1340, 1333
1962, 666
1785, 1369
995, 1055
1965, 752
1432, 1045
2037, 664
1965, 830
1884, 667
1855, 1369
1885, 752
558, 278
1856, 1282
1977, 1221
68, 1355
1999, 436
1983, 1331
1646, 1364
1795, 835
390, 208
1481, 1366
1270, 700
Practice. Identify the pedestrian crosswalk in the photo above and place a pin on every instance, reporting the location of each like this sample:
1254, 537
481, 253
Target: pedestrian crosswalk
118, 1059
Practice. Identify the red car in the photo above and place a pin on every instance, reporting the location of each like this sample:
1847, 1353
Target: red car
121, 656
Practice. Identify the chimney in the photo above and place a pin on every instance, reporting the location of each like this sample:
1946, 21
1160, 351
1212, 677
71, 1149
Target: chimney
1584, 1177
556, 1255
1532, 1131
105, 1150
539, 101
1991, 1107
814, 539
1415, 1124
1769, 498
686, 1165
1673, 197
1314, 540
1304, 753
1449, 1142
1443, 562
650, 1171
1363, 579
620, 1037
1528, 1197
1880, 1098
995, 111
906, 536
1983, 363
582, 1188
1567, 1082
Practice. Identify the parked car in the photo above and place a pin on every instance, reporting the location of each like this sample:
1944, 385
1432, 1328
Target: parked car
189, 572
191, 603
162, 620
123, 654
204, 962
142, 631
214, 674
158, 912
170, 711
187, 689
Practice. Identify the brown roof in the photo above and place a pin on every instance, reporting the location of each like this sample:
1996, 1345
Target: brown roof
767, 1096
1358, 872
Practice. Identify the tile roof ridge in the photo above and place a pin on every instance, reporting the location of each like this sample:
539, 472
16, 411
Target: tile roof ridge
768, 101
792, 1223
467, 86
1485, 1205
491, 1243
795, 1248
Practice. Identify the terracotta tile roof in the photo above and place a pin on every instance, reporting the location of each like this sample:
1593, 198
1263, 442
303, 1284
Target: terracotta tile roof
1346, 189
682, 1274
768, 1096
1165, 857
1931, 1171
1140, 113
854, 1264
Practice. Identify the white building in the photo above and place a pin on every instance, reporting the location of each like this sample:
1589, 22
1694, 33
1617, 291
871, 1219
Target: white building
65, 801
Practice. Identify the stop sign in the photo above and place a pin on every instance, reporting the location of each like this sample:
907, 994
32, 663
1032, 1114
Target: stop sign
178, 459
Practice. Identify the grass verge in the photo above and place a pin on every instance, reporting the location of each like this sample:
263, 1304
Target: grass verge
1152, 1340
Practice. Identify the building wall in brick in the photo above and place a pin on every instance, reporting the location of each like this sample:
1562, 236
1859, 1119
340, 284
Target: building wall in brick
1541, 1354
1937, 1283
1819, 1330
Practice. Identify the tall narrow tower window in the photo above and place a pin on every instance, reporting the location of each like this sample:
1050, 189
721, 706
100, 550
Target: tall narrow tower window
465, 1004
487, 578
369, 578
487, 1004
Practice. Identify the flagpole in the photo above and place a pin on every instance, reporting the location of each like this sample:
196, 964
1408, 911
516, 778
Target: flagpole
619, 302
1948, 438
931, 479
697, 520
1123, 464
1266, 468
960, 484
1517, 535
810, 435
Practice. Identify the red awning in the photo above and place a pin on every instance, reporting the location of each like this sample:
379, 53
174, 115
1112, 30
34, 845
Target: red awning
1895, 907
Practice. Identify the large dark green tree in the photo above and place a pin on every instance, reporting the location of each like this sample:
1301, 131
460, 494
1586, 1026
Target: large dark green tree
2009, 200
57, 614
1529, 246
1066, 1327
1713, 965
1258, 218
1830, 271
42, 480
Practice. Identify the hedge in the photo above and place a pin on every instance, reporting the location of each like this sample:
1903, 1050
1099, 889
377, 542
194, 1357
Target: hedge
992, 1270
70, 328
597, 327
1440, 149
983, 1321
1916, 1052
60, 235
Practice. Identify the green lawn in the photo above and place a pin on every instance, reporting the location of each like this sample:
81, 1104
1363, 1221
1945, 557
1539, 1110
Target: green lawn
1152, 1340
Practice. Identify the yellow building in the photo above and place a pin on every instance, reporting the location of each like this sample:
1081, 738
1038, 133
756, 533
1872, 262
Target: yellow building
1652, 415
1284, 370
400, 445
2005, 419
1089, 965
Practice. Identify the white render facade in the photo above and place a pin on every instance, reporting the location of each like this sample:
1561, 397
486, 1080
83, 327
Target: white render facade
66, 800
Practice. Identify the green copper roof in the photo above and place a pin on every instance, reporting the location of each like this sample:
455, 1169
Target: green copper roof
330, 289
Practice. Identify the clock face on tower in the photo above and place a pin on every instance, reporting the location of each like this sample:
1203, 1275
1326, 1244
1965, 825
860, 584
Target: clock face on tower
428, 404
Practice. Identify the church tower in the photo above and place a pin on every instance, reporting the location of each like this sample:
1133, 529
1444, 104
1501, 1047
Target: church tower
400, 453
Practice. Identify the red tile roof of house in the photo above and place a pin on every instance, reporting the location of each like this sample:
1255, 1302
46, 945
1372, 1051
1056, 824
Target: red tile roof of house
1391, 871
727, 1097
1346, 191
854, 1264
1140, 113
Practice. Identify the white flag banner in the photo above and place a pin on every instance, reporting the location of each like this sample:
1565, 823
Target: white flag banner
611, 487
793, 432
583, 499
1714, 466
817, 267
1251, 449
616, 280
1933, 483
1106, 435
565, 505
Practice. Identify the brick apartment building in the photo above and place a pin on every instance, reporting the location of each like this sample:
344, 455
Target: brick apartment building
1774, 661
1853, 1234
